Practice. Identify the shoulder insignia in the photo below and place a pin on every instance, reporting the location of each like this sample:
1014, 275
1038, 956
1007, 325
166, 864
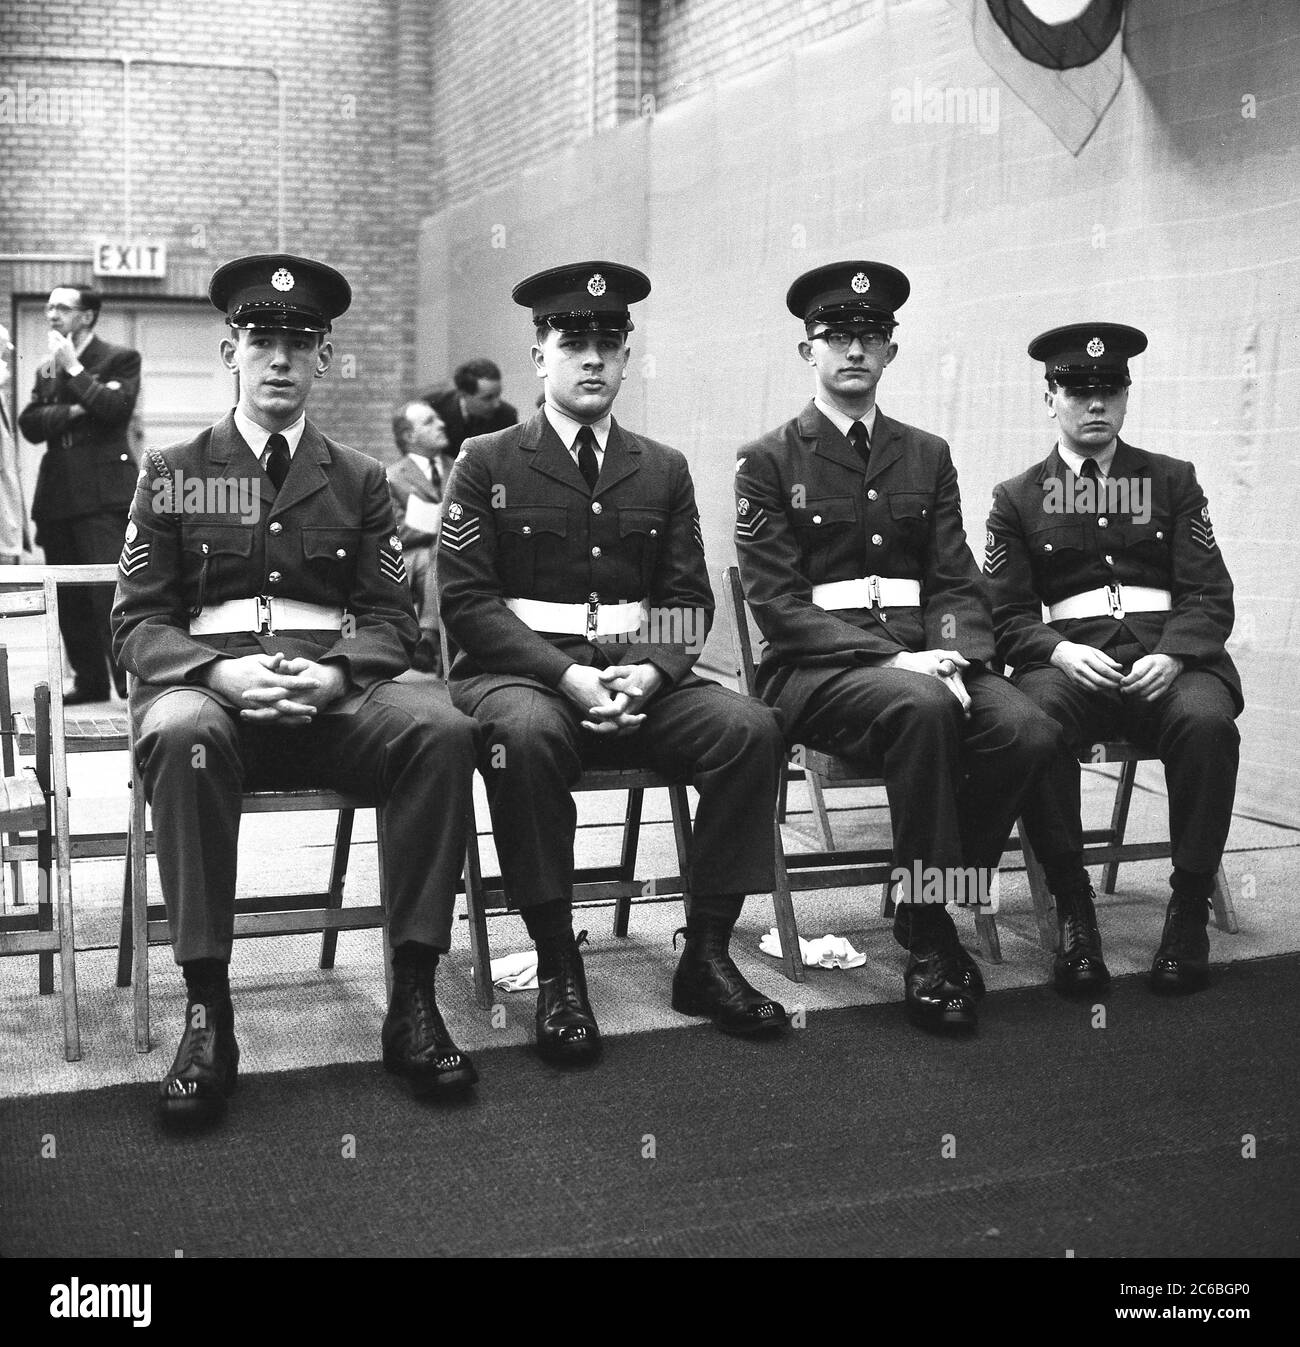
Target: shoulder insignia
995, 554
1203, 530
135, 554
459, 531
391, 565
749, 521
698, 531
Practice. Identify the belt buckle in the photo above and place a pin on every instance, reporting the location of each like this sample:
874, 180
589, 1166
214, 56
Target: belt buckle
1115, 600
873, 592
264, 627
593, 615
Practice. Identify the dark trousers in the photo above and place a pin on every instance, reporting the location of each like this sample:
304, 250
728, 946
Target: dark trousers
534, 749
403, 747
1191, 728
955, 785
84, 610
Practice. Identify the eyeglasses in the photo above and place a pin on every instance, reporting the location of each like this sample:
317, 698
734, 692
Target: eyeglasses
64, 308
840, 339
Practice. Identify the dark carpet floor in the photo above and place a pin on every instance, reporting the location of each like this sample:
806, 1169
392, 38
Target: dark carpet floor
1125, 1140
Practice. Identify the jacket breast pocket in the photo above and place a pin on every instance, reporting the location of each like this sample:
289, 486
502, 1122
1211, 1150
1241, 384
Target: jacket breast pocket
641, 533
529, 538
910, 513
213, 554
329, 553
1148, 544
1057, 549
824, 529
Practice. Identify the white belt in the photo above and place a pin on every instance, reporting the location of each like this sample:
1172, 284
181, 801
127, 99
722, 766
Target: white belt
872, 591
590, 619
265, 616
1112, 601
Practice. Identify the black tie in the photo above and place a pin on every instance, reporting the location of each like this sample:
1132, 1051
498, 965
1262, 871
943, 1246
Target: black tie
587, 464
861, 442
1088, 469
277, 460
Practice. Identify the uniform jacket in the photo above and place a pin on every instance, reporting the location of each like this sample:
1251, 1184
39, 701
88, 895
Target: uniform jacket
808, 513
446, 402
519, 522
405, 479
87, 465
1035, 557
207, 526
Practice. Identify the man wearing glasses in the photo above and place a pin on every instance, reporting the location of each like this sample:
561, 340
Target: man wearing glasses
879, 636
81, 410
572, 578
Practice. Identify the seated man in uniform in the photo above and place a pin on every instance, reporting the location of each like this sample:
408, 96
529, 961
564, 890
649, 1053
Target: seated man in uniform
572, 578
855, 564
1117, 542
264, 610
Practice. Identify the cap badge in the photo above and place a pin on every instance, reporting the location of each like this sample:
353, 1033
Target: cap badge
454, 512
282, 279
742, 506
596, 286
861, 283
132, 532
1096, 347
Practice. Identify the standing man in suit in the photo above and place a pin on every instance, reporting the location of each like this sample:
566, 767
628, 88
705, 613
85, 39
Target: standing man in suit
416, 482
264, 610
13, 517
473, 404
1118, 544
879, 638
572, 576
81, 409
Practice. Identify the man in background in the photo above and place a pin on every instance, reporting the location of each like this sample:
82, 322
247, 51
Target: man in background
473, 405
13, 517
416, 482
81, 411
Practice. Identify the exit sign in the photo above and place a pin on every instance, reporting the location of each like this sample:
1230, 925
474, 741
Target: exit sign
118, 257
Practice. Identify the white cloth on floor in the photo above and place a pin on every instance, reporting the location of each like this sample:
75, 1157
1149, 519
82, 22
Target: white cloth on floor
831, 951
515, 972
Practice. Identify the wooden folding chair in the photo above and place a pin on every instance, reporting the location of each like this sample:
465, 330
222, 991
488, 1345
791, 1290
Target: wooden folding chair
1108, 846
832, 866
262, 915
32, 592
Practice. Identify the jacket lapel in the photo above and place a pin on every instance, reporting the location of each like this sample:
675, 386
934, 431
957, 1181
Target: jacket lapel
827, 441
622, 459
307, 473
550, 457
886, 445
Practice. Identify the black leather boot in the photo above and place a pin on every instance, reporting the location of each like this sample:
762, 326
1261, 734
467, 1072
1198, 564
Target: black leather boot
205, 1072
707, 982
966, 971
935, 991
415, 1040
566, 1028
1182, 963
1078, 968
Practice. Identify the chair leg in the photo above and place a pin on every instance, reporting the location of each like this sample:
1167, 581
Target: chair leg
1044, 907
783, 907
783, 795
1119, 821
138, 847
627, 862
329, 940
986, 929
385, 946
681, 811
126, 932
1225, 915
886, 901
480, 952
821, 819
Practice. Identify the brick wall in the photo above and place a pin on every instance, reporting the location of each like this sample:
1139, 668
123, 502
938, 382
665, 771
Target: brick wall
204, 157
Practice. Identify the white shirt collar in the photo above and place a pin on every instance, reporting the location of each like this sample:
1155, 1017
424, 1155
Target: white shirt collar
255, 437
842, 422
567, 429
1074, 461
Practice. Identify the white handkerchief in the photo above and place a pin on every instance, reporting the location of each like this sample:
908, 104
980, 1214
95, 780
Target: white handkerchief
422, 515
515, 972
831, 951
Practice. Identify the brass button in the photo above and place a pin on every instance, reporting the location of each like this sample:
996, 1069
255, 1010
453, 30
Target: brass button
654, 533
1160, 533
1047, 547
873, 494
277, 529
595, 551
1110, 560
341, 553
884, 617
817, 519
596, 507
123, 457
274, 577
527, 528
924, 511
877, 540
203, 547
1102, 522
